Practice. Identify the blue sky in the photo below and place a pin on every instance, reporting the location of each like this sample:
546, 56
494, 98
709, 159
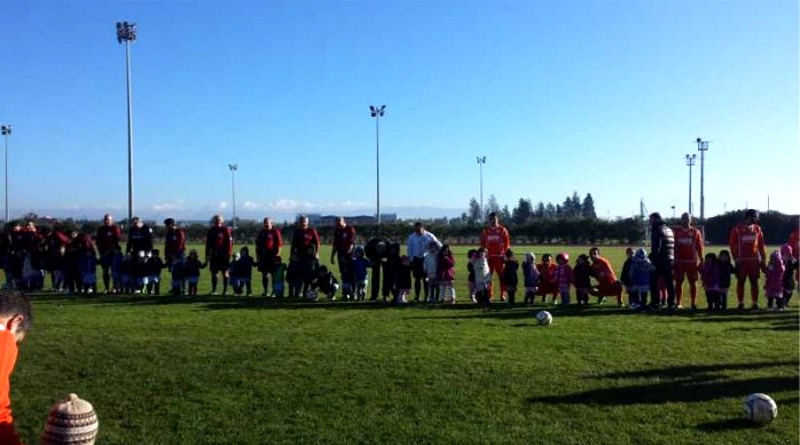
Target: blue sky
604, 97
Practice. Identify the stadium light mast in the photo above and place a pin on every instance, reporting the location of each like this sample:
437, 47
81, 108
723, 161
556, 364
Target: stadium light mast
690, 160
702, 147
377, 112
481, 161
126, 32
6, 131
233, 167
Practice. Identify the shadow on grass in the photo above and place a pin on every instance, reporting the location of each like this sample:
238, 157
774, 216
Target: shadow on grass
733, 424
694, 383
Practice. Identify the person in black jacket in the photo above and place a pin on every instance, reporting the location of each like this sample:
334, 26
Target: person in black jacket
662, 255
140, 237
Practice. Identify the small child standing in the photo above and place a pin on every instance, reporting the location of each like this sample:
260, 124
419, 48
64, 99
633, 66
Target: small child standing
88, 271
547, 278
127, 273
446, 274
154, 266
581, 275
530, 277
638, 279
139, 272
233, 274
482, 277
429, 265
564, 277
178, 269
117, 259
59, 267
294, 278
709, 274
510, 279
726, 269
193, 266
404, 280
244, 270
773, 285
278, 277
471, 275
790, 262
361, 267
624, 276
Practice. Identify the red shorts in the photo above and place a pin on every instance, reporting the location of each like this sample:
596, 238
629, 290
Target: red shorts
688, 270
748, 268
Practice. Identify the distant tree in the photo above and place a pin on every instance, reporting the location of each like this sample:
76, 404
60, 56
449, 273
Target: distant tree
492, 206
523, 212
505, 214
559, 211
550, 210
587, 208
475, 216
540, 211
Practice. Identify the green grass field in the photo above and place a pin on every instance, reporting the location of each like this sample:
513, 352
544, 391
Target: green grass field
213, 370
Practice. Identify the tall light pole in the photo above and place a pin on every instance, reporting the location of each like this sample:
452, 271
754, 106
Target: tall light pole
233, 167
690, 159
481, 161
126, 32
702, 147
377, 113
6, 131
673, 212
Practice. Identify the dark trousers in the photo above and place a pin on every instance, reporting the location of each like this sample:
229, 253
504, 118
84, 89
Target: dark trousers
663, 269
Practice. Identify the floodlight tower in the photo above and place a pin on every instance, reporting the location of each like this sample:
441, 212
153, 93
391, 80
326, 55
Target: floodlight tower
6, 131
690, 160
702, 147
126, 32
233, 167
481, 161
377, 112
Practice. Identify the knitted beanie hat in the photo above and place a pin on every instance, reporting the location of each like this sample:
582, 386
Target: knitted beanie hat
71, 422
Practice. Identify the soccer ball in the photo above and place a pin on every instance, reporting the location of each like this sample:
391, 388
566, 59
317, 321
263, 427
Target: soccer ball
544, 318
760, 408
311, 294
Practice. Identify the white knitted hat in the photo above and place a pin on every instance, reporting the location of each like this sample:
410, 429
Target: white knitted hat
71, 422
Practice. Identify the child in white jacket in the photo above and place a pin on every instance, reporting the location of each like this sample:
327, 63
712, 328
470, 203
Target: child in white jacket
430, 265
483, 277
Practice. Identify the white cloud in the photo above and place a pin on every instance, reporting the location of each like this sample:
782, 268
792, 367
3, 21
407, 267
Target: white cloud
291, 205
222, 205
250, 205
176, 205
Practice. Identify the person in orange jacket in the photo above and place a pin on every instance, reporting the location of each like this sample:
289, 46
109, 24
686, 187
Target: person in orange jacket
15, 321
749, 254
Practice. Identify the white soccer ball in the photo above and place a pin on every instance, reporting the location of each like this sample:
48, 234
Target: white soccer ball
311, 294
760, 408
544, 318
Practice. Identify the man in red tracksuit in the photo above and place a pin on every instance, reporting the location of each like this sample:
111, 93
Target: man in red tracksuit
344, 242
106, 239
496, 241
749, 254
305, 250
219, 248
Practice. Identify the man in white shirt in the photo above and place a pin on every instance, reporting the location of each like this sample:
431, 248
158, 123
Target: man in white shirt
416, 249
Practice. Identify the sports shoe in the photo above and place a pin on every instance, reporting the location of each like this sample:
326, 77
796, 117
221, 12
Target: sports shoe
601, 300
694, 307
754, 307
680, 306
740, 307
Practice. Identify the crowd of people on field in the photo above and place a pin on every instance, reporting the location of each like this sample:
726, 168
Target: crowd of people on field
425, 273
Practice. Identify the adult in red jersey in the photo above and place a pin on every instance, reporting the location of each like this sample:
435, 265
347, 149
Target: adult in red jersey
174, 242
607, 282
305, 250
107, 238
268, 246
496, 241
53, 243
688, 258
749, 254
344, 242
140, 237
219, 247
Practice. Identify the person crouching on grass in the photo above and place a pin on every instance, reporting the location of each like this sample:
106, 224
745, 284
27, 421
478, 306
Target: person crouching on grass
15, 321
607, 283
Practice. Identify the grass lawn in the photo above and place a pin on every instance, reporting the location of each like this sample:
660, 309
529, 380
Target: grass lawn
213, 370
